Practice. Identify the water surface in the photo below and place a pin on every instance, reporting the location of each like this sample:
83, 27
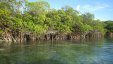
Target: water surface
57, 52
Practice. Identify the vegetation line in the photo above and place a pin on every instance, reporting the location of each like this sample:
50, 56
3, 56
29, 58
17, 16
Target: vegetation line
23, 20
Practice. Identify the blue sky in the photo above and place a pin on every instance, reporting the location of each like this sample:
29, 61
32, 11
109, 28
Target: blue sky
102, 9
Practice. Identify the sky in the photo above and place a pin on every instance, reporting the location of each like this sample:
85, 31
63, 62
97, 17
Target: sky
102, 9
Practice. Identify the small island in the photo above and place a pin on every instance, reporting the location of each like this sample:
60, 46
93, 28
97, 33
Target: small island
23, 21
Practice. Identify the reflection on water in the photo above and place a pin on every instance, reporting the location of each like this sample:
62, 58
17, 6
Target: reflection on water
57, 52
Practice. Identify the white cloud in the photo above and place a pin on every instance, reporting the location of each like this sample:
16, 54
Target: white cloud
78, 7
89, 8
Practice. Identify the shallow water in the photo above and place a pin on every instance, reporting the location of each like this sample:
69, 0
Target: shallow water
58, 52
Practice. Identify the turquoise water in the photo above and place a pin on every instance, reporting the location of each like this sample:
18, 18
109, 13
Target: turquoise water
57, 52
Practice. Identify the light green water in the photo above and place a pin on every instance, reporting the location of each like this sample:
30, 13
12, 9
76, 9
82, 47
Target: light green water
57, 52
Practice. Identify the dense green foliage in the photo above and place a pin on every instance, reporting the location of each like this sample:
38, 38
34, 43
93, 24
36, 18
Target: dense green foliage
38, 17
109, 26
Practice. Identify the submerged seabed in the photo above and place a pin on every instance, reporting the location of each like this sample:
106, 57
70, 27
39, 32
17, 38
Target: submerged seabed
58, 52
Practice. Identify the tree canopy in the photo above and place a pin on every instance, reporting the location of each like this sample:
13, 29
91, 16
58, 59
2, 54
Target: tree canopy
109, 25
38, 17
